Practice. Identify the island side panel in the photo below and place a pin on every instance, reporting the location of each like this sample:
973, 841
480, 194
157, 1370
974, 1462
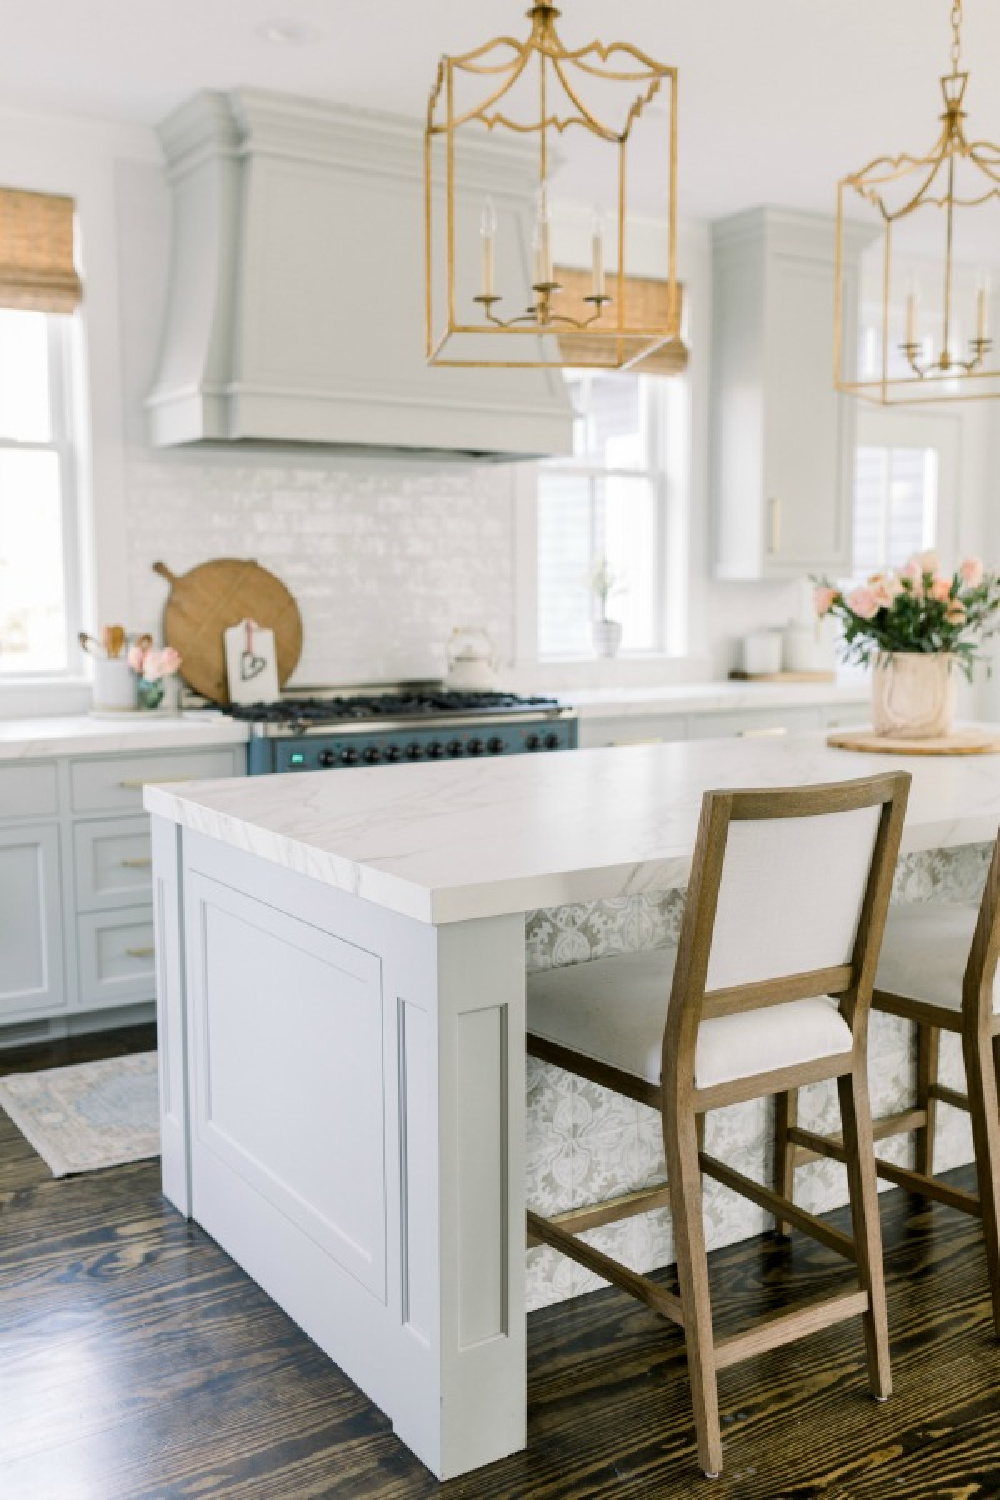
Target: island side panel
481, 1053
357, 1137
171, 1018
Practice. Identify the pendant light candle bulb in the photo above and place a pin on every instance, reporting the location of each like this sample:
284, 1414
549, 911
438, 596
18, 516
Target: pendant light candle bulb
983, 295
488, 233
598, 287
542, 239
912, 309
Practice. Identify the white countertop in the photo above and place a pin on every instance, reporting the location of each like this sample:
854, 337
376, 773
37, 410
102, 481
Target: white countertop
34, 739
448, 842
709, 697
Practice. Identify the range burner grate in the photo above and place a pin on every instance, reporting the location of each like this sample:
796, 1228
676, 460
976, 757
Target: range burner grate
372, 707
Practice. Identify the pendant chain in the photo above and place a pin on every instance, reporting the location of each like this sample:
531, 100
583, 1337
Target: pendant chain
956, 43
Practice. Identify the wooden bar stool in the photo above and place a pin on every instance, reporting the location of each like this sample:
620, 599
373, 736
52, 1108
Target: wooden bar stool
785, 909
938, 969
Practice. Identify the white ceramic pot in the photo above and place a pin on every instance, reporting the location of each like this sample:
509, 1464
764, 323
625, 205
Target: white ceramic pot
607, 637
114, 686
914, 695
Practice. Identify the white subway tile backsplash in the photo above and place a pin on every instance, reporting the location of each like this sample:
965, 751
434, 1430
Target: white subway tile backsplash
383, 556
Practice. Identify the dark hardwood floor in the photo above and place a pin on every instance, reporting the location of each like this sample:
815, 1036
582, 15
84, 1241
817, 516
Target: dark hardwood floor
137, 1360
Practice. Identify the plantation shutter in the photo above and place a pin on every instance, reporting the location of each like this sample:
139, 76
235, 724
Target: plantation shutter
647, 305
37, 271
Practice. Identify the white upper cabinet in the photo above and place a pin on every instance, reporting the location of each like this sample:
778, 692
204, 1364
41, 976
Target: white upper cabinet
782, 451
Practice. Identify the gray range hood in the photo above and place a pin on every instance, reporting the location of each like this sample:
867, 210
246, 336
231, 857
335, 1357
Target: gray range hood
296, 305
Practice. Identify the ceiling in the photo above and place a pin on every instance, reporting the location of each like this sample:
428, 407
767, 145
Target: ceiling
777, 97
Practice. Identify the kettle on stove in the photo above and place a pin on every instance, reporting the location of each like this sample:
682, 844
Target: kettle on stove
472, 660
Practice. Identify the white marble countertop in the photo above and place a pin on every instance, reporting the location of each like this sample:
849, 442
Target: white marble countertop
36, 739
448, 842
710, 697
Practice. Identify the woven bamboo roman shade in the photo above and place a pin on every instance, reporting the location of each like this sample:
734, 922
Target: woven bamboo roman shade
37, 272
646, 306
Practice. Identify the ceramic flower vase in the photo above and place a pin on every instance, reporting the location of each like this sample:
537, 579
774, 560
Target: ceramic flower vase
607, 637
148, 694
913, 695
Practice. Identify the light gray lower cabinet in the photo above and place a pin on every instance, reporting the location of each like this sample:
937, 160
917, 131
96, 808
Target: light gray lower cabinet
32, 979
76, 914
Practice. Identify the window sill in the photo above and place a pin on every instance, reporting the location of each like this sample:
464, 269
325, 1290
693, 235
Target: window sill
44, 697
645, 669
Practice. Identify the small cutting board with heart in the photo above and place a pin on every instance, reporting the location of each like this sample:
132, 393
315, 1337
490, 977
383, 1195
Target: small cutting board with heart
251, 663
214, 596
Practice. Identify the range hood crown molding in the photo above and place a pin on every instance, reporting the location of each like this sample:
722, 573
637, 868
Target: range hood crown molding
295, 307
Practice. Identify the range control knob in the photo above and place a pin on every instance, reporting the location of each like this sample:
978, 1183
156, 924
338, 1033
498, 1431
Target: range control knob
349, 757
328, 758
495, 745
455, 748
475, 747
392, 753
414, 751
372, 755
435, 750
531, 742
552, 742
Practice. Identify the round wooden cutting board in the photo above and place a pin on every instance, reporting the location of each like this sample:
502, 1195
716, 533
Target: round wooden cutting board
215, 595
962, 742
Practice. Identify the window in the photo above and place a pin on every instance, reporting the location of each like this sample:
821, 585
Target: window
895, 506
606, 503
38, 594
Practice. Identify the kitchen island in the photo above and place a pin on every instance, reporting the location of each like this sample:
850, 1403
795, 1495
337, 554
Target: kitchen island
341, 987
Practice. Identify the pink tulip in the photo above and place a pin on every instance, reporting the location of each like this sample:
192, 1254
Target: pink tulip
135, 658
169, 661
824, 598
864, 603
884, 588
928, 562
971, 572
940, 590
955, 613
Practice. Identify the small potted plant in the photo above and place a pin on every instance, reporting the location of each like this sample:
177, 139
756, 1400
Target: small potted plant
606, 633
915, 627
152, 667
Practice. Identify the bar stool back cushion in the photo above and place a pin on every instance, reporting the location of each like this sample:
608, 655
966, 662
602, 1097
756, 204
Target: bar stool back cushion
790, 896
925, 951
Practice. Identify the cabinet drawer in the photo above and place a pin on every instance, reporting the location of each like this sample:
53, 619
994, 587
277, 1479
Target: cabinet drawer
113, 863
115, 785
632, 729
761, 721
116, 957
29, 791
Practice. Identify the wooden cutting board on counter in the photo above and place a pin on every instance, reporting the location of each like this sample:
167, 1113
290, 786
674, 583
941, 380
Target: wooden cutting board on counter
208, 600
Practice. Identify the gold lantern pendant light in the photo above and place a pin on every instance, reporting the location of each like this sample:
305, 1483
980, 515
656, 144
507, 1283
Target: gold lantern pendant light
493, 327
941, 349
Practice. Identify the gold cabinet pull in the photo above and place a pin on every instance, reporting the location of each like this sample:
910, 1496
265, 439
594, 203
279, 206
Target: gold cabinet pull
774, 525
762, 734
138, 864
140, 952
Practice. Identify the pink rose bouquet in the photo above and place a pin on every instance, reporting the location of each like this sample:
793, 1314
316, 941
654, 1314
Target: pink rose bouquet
917, 608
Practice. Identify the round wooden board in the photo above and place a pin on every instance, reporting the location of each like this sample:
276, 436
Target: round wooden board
962, 742
215, 595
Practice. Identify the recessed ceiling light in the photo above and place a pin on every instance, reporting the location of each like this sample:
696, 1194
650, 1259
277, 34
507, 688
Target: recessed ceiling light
284, 33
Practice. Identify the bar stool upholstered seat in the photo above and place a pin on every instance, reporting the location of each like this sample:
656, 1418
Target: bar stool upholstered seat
612, 1010
768, 989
